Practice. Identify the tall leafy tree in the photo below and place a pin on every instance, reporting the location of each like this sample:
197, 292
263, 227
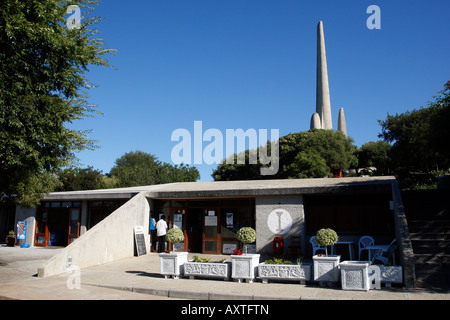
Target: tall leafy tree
314, 153
43, 89
420, 138
375, 154
137, 168
308, 154
76, 178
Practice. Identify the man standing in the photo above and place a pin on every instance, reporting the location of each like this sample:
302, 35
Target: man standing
161, 230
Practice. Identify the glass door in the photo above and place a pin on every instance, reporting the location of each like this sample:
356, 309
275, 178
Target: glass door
74, 225
194, 229
41, 234
178, 221
211, 231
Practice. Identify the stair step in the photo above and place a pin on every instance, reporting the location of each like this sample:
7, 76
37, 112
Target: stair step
428, 248
444, 230
435, 287
430, 268
430, 224
430, 221
433, 284
431, 259
429, 236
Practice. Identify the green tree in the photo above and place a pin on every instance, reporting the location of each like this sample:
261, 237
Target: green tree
75, 178
420, 138
308, 164
138, 168
308, 154
314, 153
43, 90
246, 171
375, 154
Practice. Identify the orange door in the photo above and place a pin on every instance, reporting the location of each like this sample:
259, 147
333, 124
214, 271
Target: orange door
74, 225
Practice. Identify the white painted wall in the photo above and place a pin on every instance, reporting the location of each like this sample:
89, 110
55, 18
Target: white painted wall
110, 240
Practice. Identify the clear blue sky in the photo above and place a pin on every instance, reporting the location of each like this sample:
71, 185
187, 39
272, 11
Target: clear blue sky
252, 64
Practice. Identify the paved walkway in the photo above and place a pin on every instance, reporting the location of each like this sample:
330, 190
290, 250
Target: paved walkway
139, 278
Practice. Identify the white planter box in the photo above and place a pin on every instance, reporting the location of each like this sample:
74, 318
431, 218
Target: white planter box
297, 272
355, 275
244, 267
326, 269
171, 264
386, 274
207, 269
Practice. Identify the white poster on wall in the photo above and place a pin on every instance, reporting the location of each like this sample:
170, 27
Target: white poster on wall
210, 221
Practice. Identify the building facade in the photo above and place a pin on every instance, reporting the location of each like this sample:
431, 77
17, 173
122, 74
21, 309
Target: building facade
97, 226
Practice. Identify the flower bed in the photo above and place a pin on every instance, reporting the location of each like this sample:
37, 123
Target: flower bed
284, 270
387, 274
205, 268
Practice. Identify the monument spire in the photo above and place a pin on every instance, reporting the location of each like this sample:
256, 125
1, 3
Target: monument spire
342, 126
323, 106
315, 121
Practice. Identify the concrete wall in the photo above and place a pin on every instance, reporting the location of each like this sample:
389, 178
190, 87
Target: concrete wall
110, 240
403, 239
279, 216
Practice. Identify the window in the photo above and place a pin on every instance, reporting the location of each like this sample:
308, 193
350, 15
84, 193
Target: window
99, 210
191, 217
234, 218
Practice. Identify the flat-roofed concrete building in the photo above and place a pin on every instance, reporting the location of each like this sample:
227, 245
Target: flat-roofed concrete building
97, 226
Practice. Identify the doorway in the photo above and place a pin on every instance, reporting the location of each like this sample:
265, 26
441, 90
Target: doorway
211, 231
57, 225
203, 230
209, 225
194, 229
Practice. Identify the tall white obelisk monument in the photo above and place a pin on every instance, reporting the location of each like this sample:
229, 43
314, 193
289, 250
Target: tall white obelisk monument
323, 106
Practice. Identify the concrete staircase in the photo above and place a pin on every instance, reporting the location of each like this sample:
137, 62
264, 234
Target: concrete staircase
428, 215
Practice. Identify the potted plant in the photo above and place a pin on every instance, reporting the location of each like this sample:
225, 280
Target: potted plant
204, 267
246, 235
279, 269
11, 239
326, 237
244, 266
171, 263
326, 268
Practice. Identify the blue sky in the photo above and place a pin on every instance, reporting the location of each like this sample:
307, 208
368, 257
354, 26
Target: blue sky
252, 64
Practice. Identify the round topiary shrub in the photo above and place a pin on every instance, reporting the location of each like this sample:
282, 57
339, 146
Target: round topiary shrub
246, 235
175, 235
326, 237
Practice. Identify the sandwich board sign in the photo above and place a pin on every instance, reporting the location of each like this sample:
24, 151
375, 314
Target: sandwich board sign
140, 240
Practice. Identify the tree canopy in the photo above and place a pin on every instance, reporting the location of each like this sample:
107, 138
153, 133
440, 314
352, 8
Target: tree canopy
43, 90
308, 154
137, 168
420, 138
375, 154
75, 178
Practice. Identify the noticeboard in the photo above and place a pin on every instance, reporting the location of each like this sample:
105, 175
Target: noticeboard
140, 240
